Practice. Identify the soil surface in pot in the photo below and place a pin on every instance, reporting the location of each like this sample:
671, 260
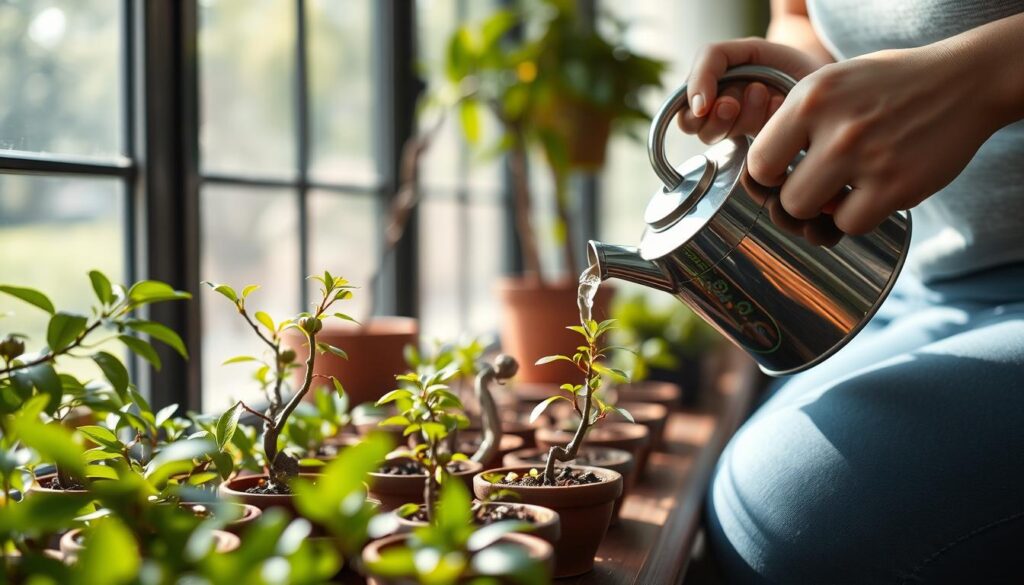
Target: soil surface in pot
413, 468
55, 484
565, 476
484, 515
265, 488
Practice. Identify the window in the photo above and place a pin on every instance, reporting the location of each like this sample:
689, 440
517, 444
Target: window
67, 166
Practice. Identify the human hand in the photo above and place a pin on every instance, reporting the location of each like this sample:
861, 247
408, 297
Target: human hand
896, 126
739, 110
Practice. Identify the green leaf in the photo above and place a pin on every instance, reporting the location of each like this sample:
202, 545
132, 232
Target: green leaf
239, 359
101, 286
63, 329
625, 414
553, 358
165, 414
394, 395
394, 421
100, 472
469, 115
345, 317
249, 290
225, 290
540, 408
30, 296
453, 511
102, 436
338, 387
487, 535
43, 378
110, 556
114, 371
154, 291
394, 562
510, 563
328, 348
142, 349
265, 320
227, 424
53, 443
160, 332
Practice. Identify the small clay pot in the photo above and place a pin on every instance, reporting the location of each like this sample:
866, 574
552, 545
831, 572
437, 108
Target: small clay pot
626, 436
538, 549
246, 513
664, 393
236, 489
394, 491
469, 441
71, 543
375, 350
617, 460
584, 510
546, 524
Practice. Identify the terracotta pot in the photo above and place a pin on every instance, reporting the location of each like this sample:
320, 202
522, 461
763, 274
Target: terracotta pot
583, 126
605, 457
469, 442
235, 489
546, 524
536, 548
394, 491
71, 543
246, 513
664, 393
534, 321
375, 354
584, 510
626, 436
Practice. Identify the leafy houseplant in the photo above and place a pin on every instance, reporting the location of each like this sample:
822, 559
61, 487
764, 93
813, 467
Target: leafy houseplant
428, 409
274, 371
73, 336
451, 549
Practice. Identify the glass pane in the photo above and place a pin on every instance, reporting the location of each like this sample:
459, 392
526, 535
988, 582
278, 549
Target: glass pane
461, 256
345, 239
344, 109
249, 236
53, 231
246, 78
449, 163
60, 77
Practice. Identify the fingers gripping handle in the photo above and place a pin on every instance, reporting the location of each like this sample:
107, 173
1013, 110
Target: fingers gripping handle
678, 100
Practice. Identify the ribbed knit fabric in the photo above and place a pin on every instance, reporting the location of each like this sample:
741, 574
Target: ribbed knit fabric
977, 221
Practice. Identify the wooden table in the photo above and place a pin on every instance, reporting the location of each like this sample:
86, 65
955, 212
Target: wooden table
660, 517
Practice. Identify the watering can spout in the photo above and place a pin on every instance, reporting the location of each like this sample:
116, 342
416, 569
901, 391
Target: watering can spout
625, 263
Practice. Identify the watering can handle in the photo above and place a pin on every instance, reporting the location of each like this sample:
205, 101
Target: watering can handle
677, 101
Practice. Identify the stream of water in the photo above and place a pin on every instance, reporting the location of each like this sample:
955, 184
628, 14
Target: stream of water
590, 281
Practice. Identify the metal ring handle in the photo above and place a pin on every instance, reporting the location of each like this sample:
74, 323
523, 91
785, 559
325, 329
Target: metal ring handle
675, 103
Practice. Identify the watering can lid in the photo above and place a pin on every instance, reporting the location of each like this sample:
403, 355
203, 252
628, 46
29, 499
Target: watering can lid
674, 217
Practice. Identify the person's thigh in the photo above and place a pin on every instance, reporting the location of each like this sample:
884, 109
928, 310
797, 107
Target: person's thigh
907, 471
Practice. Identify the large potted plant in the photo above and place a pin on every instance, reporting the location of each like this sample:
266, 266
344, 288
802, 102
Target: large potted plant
562, 88
272, 488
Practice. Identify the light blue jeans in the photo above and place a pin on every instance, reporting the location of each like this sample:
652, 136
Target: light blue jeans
898, 460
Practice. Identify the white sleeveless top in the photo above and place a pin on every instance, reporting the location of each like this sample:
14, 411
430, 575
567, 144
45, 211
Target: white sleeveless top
977, 221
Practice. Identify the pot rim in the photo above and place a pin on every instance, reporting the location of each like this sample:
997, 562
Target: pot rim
224, 542
37, 485
538, 548
556, 497
227, 489
249, 512
550, 517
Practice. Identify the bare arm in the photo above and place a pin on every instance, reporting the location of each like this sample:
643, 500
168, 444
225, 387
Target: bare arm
791, 26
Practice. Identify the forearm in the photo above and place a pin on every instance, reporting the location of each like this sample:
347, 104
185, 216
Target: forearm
989, 59
791, 26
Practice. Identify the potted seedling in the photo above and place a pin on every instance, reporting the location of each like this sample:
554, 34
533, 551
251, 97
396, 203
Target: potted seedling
452, 549
430, 411
271, 489
583, 496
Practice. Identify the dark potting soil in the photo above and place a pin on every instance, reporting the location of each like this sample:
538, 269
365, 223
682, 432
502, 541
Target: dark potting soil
55, 484
413, 468
567, 476
484, 515
266, 488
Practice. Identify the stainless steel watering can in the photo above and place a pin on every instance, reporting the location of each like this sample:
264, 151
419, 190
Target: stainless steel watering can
790, 292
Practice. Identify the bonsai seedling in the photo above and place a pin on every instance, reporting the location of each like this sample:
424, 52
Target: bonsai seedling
584, 397
428, 408
273, 372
